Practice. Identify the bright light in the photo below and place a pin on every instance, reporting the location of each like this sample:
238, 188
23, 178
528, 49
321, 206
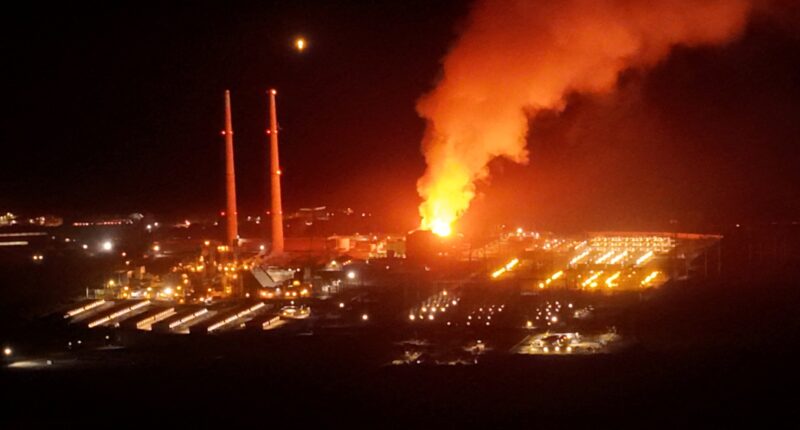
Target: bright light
107, 245
551, 279
412, 317
649, 278
156, 248
168, 291
618, 258
605, 257
510, 265
341, 305
300, 44
441, 228
77, 311
644, 258
351, 275
590, 280
610, 282
364, 317
7, 351
579, 257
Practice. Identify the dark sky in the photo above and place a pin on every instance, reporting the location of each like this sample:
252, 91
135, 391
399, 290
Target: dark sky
118, 109
708, 137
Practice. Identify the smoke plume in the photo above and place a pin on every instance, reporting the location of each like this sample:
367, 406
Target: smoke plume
517, 57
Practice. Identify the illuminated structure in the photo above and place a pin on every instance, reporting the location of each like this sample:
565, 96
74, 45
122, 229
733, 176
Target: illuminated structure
231, 226
422, 246
275, 178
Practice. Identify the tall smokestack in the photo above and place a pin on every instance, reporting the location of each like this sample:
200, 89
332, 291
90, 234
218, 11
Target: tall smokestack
231, 227
275, 178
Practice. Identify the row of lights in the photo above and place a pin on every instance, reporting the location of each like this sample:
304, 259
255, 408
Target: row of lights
488, 321
550, 311
437, 303
510, 265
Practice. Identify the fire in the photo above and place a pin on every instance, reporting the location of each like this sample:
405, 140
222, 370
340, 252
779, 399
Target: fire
515, 59
441, 228
447, 196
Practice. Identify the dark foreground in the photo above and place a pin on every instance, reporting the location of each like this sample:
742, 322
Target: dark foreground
710, 349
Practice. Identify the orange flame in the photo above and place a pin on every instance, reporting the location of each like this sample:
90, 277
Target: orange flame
516, 58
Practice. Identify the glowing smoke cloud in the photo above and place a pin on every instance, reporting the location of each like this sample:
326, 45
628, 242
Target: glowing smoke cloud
517, 57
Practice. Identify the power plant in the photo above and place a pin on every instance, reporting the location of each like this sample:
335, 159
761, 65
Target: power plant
385, 300
545, 213
549, 293
312, 265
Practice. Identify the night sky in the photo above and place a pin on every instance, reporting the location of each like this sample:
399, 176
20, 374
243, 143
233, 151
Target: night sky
116, 109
